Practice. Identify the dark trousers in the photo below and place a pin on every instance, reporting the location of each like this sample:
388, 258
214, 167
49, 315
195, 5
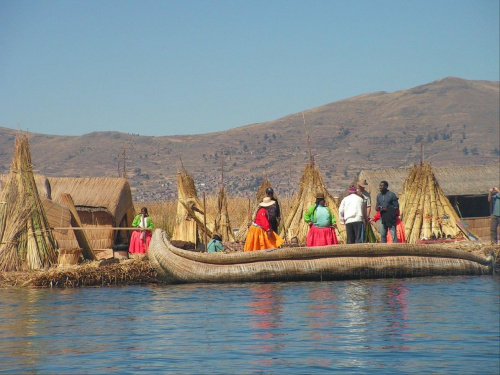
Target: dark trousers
495, 222
274, 225
353, 231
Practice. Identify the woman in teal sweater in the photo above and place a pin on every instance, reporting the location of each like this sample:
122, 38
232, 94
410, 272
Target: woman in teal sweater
321, 224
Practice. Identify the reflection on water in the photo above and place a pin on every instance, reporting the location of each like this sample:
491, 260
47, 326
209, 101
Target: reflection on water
427, 325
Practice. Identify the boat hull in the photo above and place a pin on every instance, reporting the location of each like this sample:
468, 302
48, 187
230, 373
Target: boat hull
339, 262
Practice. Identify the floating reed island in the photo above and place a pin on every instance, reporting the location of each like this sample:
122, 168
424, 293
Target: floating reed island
36, 249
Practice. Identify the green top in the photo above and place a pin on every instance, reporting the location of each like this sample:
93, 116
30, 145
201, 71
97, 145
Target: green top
137, 221
318, 218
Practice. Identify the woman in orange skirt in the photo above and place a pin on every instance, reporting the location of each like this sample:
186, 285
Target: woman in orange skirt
260, 235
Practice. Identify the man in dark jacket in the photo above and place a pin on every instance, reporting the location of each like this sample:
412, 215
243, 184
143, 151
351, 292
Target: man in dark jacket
387, 204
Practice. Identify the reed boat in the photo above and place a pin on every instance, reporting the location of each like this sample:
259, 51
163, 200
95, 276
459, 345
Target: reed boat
338, 262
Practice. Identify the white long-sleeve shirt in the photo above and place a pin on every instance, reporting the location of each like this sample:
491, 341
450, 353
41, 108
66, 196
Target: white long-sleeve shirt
351, 209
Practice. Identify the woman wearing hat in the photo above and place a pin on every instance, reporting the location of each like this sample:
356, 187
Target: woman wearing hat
260, 235
321, 224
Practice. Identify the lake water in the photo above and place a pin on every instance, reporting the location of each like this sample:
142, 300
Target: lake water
438, 325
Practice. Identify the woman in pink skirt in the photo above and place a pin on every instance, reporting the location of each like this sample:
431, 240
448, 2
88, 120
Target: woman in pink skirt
140, 239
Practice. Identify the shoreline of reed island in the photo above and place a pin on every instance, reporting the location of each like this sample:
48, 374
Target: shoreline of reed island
112, 273
86, 274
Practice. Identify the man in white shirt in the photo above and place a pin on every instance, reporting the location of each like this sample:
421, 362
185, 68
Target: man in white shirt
352, 215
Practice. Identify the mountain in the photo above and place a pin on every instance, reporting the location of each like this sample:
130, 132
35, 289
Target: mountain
456, 121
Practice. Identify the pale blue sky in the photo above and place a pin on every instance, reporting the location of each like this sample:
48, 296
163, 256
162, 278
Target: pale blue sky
189, 67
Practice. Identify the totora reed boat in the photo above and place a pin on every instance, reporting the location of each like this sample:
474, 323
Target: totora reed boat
338, 262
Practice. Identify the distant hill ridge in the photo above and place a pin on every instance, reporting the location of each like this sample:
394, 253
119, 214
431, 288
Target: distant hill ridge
457, 121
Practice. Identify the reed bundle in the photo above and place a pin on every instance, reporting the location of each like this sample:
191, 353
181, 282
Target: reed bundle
336, 262
190, 223
26, 240
426, 212
311, 184
222, 223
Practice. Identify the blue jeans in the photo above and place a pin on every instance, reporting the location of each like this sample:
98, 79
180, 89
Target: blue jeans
383, 233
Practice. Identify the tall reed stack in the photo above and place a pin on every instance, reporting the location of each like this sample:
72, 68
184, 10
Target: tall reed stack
26, 240
426, 212
191, 218
311, 184
222, 223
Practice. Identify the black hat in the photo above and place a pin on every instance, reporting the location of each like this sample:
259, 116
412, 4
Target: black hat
269, 190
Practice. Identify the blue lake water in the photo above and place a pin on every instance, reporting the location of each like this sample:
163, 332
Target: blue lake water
438, 325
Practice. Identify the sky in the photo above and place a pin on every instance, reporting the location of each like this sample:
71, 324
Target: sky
160, 68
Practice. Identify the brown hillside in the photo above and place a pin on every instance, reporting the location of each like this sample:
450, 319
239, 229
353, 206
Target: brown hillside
457, 120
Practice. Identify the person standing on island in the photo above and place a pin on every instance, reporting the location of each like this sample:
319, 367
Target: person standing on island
140, 239
273, 211
352, 213
494, 199
367, 205
321, 224
260, 235
387, 204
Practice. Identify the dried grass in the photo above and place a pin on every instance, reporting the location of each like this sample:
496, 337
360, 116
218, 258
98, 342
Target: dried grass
426, 212
127, 272
26, 240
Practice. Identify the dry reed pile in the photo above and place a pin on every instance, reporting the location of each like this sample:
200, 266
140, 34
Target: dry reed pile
426, 212
26, 240
191, 219
91, 274
222, 222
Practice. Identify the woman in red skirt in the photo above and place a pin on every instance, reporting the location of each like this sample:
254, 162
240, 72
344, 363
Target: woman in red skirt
321, 224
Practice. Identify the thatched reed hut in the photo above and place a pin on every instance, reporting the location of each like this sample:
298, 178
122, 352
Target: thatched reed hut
100, 202
465, 187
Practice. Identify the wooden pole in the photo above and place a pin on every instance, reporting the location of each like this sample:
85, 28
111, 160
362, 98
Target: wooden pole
80, 235
205, 222
124, 170
222, 177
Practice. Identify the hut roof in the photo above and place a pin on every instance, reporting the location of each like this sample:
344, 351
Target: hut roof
470, 180
114, 194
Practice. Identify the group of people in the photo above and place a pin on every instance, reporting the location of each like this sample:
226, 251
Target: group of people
354, 211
